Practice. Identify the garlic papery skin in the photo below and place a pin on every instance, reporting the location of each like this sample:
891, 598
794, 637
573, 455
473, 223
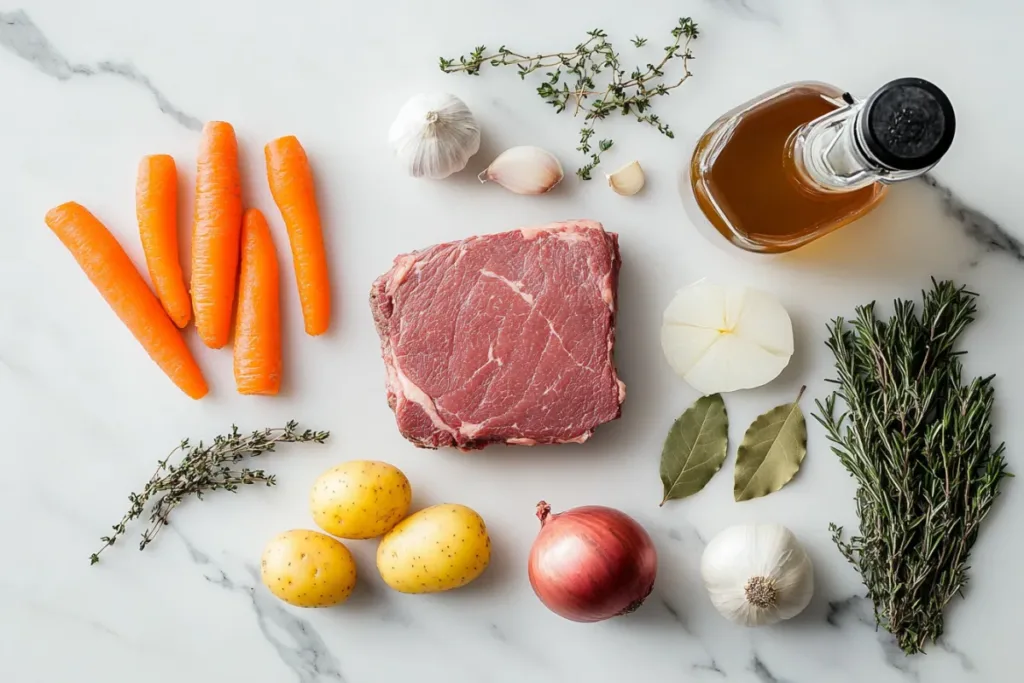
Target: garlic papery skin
722, 338
628, 180
525, 170
757, 574
434, 135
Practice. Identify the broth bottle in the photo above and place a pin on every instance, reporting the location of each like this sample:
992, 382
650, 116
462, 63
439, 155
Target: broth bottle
805, 159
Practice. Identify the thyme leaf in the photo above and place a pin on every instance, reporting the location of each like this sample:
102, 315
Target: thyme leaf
572, 81
203, 469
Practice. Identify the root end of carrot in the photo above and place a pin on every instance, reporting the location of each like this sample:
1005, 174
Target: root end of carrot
197, 393
212, 344
257, 392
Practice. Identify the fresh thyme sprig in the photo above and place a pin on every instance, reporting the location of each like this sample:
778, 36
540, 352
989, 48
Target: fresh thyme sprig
918, 442
572, 81
203, 469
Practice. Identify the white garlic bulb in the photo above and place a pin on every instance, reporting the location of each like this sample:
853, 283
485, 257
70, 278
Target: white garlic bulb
434, 135
757, 574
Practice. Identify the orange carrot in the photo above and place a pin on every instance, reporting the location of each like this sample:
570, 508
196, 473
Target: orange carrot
215, 233
112, 272
291, 183
258, 320
156, 207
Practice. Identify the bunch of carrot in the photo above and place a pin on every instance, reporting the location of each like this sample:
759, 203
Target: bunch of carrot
232, 253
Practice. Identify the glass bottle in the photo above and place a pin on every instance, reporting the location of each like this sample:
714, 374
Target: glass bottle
805, 159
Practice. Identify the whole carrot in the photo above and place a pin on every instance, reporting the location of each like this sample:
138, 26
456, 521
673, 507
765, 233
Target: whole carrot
112, 272
258, 320
156, 207
215, 233
291, 184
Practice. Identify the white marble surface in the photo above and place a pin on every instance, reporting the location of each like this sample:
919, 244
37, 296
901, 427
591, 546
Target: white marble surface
88, 88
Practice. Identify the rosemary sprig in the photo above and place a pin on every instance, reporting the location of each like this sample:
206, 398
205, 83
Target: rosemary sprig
572, 81
918, 442
204, 468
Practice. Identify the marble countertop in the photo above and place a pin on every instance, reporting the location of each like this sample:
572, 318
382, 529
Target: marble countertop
88, 88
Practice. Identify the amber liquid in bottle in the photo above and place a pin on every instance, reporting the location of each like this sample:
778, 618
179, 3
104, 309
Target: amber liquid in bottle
747, 183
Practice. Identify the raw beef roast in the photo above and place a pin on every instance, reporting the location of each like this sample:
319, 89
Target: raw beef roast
502, 338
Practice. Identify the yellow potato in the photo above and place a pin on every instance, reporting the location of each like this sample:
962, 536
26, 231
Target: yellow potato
360, 499
436, 549
308, 569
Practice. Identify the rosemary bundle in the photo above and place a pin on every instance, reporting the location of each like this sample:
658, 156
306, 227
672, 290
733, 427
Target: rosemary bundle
572, 81
203, 469
917, 439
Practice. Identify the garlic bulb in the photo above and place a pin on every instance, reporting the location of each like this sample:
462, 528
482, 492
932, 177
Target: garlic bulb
628, 180
434, 135
757, 574
524, 170
724, 338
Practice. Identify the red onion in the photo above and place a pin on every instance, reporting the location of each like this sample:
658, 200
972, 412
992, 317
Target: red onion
591, 563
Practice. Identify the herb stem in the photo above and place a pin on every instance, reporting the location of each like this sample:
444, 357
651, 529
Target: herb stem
201, 470
632, 96
917, 439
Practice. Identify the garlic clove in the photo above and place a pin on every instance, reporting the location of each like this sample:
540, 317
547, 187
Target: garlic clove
725, 338
524, 170
628, 180
434, 135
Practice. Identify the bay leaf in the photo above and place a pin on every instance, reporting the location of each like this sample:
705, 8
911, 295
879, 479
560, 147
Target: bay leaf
771, 452
695, 447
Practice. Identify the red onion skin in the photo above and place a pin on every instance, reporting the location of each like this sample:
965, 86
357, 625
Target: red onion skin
591, 563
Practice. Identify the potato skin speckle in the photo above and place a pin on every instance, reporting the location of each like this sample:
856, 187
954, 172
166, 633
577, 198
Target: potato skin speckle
308, 569
411, 559
360, 499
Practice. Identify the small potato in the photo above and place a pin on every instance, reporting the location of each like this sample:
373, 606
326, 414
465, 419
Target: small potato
436, 549
308, 569
360, 499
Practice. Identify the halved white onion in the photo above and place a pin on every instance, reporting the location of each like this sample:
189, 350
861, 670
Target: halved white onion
726, 337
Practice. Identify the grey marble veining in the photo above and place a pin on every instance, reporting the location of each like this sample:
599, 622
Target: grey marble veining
761, 672
674, 613
979, 227
752, 9
301, 648
965, 662
20, 35
711, 667
852, 608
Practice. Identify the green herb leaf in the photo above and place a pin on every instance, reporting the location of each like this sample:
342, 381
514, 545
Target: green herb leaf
203, 469
772, 450
581, 95
695, 448
916, 436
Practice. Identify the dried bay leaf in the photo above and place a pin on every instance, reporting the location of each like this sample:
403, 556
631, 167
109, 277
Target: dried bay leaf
695, 448
772, 450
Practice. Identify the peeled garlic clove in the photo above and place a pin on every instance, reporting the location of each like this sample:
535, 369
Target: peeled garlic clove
725, 338
434, 135
628, 180
524, 170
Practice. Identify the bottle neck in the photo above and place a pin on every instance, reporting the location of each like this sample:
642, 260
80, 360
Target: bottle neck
829, 155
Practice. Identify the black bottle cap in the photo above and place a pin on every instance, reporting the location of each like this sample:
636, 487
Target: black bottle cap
907, 124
